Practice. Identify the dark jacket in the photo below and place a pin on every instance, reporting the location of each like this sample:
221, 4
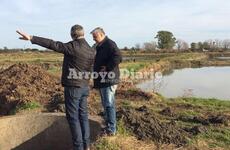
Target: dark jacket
107, 54
78, 57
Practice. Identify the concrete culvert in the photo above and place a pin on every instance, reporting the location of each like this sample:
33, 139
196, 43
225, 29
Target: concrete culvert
45, 131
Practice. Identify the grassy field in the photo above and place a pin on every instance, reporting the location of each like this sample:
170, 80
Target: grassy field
30, 57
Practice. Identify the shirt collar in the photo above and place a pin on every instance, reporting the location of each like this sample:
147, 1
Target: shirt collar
99, 44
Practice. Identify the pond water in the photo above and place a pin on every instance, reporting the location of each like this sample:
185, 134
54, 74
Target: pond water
206, 82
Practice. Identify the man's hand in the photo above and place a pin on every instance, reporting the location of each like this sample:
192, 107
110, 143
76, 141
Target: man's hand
24, 36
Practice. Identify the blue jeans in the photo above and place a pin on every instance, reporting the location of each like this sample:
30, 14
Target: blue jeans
77, 115
108, 103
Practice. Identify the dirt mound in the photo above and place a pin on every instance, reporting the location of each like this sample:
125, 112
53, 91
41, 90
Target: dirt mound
167, 112
145, 125
196, 129
205, 120
134, 94
22, 83
127, 90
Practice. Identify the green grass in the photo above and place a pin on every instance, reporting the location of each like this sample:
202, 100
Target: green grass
185, 56
26, 106
189, 113
30, 57
135, 67
54, 70
104, 144
126, 104
121, 129
183, 124
160, 96
208, 104
215, 137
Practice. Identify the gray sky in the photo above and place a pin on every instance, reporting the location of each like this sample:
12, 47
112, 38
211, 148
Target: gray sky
127, 22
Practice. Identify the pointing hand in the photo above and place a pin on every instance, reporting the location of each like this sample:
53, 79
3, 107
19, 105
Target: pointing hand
24, 36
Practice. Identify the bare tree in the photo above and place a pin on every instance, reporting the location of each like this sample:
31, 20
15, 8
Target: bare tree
137, 46
206, 45
182, 45
5, 48
226, 44
218, 44
149, 46
126, 48
210, 44
194, 46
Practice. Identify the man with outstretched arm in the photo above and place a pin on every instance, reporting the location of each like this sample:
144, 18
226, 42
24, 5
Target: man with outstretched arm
78, 59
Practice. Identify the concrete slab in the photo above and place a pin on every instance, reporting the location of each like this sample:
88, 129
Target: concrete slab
45, 131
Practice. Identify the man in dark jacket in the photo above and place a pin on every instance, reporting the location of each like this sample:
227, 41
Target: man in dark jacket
78, 61
106, 63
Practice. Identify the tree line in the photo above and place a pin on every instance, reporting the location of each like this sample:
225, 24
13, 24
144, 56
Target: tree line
12, 50
167, 41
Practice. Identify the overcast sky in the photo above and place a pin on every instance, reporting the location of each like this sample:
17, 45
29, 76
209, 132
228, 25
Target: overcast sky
127, 22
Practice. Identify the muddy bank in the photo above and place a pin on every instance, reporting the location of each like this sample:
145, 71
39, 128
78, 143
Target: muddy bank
196, 60
127, 90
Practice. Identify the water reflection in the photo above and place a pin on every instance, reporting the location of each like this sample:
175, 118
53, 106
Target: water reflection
207, 82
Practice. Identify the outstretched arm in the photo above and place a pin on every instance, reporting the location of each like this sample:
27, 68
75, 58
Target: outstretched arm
65, 48
24, 36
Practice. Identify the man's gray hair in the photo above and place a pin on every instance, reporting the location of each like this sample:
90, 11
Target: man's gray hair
97, 30
77, 31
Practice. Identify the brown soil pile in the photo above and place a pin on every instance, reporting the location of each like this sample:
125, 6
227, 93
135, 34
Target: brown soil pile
22, 83
205, 120
145, 125
167, 112
127, 90
201, 119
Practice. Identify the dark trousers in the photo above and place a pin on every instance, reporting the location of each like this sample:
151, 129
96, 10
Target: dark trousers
77, 115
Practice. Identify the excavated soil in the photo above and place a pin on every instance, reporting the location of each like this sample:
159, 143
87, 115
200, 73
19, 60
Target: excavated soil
145, 125
206, 120
127, 90
22, 83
